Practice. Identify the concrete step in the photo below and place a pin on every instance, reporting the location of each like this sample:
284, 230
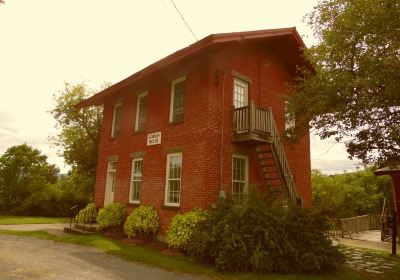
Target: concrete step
81, 229
86, 227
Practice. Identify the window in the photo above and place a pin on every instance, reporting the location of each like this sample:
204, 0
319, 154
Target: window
177, 100
136, 180
116, 120
240, 93
173, 181
290, 121
141, 111
239, 178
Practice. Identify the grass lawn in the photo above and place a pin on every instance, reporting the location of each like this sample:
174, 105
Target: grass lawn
16, 220
186, 265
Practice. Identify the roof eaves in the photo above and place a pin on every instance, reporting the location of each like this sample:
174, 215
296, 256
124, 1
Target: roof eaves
98, 98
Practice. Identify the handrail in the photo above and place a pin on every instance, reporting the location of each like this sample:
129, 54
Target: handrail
72, 216
280, 156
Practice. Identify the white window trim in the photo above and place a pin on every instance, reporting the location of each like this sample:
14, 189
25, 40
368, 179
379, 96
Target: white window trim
130, 186
119, 104
171, 106
246, 175
111, 188
137, 108
237, 81
290, 123
166, 203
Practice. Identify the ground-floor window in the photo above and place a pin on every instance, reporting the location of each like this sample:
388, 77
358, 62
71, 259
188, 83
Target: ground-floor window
239, 178
173, 180
136, 180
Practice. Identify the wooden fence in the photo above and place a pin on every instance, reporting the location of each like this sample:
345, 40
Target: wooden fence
353, 225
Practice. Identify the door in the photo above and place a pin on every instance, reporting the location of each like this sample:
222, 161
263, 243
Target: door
110, 183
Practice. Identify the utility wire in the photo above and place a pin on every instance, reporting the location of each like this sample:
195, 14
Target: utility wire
183, 19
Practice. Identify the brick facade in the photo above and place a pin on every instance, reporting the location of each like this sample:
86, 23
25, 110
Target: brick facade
204, 137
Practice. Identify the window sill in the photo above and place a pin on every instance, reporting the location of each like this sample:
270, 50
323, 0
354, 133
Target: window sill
175, 122
134, 203
170, 207
143, 131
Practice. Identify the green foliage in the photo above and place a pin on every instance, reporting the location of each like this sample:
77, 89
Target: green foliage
78, 138
26, 182
111, 216
181, 228
79, 129
142, 221
261, 238
353, 94
87, 215
350, 194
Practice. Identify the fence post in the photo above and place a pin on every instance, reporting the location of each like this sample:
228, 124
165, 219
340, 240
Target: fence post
342, 228
394, 233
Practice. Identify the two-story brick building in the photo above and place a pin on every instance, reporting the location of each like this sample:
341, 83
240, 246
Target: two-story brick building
204, 121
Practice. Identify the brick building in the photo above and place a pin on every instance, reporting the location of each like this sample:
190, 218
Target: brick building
204, 121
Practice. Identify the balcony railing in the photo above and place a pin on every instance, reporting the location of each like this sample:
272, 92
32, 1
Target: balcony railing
252, 120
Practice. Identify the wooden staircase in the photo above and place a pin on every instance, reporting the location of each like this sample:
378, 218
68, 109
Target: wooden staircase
257, 125
277, 173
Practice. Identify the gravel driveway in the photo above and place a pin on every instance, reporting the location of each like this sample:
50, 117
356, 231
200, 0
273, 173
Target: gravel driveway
34, 258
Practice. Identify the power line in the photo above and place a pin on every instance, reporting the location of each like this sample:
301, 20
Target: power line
183, 19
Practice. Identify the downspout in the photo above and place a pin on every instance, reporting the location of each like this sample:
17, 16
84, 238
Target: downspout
221, 193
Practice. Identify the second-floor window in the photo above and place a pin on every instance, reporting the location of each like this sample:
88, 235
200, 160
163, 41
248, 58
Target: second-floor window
177, 100
141, 112
290, 121
116, 122
240, 93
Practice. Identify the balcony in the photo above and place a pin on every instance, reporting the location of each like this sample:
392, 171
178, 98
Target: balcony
252, 124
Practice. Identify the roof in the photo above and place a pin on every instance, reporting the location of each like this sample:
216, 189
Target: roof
203, 44
387, 170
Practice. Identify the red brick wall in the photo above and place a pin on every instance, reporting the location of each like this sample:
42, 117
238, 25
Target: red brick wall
268, 75
199, 136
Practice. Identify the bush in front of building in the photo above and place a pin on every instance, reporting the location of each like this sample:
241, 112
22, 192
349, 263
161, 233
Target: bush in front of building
180, 230
111, 216
143, 221
258, 237
87, 215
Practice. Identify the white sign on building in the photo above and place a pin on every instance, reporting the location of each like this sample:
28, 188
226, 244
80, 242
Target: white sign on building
154, 138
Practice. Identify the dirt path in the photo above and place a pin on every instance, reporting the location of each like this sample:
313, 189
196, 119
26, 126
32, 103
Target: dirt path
33, 258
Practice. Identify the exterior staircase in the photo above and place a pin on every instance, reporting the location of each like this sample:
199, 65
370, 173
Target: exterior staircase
257, 125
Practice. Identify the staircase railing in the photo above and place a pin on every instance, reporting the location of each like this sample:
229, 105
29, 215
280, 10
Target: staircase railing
280, 158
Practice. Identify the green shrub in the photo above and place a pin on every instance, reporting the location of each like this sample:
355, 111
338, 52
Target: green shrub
143, 221
111, 216
87, 215
181, 228
261, 238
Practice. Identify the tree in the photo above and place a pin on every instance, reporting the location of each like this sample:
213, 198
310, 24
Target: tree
23, 172
353, 92
350, 194
79, 134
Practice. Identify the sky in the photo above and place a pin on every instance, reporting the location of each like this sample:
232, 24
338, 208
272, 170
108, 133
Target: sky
44, 43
